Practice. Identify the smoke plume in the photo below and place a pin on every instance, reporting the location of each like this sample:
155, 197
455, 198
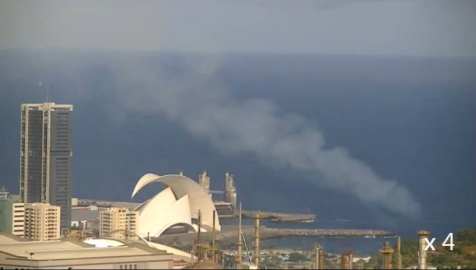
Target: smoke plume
206, 108
191, 95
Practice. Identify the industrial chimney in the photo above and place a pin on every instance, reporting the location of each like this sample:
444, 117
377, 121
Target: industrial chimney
257, 240
214, 249
345, 261
422, 235
387, 253
321, 258
199, 238
399, 254
316, 257
239, 259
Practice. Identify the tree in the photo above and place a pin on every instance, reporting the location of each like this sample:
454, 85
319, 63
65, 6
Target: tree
297, 257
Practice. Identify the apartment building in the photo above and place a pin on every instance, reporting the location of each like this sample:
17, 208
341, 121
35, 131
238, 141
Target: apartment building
12, 216
114, 219
42, 222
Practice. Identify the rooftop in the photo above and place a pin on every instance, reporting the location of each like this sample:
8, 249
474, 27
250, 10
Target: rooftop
84, 213
68, 248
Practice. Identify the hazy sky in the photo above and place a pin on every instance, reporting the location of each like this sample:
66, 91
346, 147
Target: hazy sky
411, 28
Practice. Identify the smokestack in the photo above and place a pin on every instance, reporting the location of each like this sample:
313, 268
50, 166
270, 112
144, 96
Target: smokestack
351, 260
257, 240
240, 242
387, 253
213, 239
199, 237
316, 256
345, 261
321, 258
399, 254
422, 235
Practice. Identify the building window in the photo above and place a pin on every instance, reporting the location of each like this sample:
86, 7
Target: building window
120, 266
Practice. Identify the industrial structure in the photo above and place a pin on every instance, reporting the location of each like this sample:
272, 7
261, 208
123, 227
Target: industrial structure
242, 243
387, 253
346, 261
257, 242
316, 264
204, 181
230, 190
224, 209
422, 254
239, 257
208, 256
399, 253
46, 154
321, 259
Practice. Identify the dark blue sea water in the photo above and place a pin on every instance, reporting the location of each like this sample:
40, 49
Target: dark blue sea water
410, 119
360, 246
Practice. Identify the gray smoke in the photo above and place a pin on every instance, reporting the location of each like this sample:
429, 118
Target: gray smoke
206, 108
193, 97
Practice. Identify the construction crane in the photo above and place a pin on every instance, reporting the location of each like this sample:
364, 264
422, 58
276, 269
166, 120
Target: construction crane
247, 250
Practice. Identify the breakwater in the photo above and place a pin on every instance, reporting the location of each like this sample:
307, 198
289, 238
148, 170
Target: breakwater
276, 233
228, 237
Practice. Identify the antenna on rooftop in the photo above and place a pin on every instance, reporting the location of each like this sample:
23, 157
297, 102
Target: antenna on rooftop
40, 84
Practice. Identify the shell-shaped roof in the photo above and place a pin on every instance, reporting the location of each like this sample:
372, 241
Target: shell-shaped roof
184, 190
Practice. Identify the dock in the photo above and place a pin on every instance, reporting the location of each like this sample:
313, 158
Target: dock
279, 216
246, 214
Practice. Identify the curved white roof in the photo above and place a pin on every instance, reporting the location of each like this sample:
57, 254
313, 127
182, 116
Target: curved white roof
104, 242
181, 186
161, 212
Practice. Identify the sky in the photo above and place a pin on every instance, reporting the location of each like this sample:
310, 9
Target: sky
405, 28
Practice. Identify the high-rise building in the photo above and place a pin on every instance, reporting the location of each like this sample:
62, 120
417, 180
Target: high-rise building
114, 219
12, 216
42, 221
46, 155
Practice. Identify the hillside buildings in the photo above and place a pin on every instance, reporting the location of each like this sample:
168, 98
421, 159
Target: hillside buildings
46, 155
